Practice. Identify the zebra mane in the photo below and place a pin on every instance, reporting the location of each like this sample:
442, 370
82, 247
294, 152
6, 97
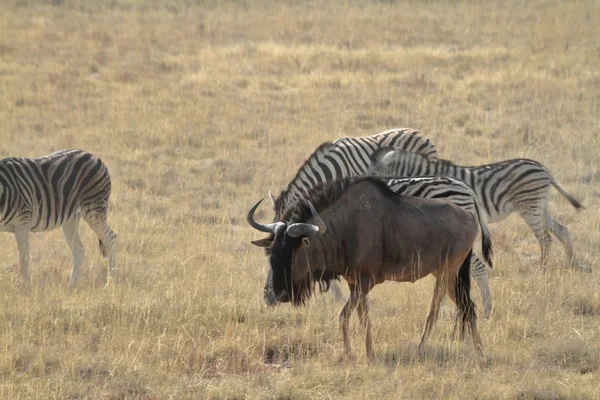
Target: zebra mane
318, 155
383, 151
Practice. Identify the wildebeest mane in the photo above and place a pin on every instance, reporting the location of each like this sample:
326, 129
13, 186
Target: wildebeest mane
327, 194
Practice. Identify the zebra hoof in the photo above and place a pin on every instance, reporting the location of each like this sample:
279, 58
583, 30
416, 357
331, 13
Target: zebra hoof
582, 268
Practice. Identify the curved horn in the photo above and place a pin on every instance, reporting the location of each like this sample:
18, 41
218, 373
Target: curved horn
302, 229
268, 228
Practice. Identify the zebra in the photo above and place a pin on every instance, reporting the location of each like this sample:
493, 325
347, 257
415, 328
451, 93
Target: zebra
520, 185
347, 157
56, 190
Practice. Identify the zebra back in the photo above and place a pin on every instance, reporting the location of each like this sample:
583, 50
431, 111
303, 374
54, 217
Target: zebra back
42, 193
347, 157
501, 187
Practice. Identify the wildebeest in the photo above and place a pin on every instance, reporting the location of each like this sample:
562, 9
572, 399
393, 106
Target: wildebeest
359, 229
346, 157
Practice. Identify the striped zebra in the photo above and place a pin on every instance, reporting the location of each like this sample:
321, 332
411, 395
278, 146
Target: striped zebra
56, 190
347, 157
520, 185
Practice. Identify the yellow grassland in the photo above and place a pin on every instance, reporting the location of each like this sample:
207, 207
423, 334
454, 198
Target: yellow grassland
200, 107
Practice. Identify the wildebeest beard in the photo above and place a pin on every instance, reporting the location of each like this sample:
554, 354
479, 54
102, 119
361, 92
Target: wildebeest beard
281, 255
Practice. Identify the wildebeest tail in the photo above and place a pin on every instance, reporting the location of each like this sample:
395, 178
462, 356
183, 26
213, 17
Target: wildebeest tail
462, 289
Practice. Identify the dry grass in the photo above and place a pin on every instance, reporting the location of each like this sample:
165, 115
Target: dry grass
200, 109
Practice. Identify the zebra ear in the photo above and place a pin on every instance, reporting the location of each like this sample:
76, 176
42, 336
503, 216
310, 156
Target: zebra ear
380, 153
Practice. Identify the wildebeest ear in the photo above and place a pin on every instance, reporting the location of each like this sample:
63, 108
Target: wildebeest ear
306, 241
380, 153
262, 242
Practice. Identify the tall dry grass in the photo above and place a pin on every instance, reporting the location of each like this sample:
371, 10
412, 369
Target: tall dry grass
200, 108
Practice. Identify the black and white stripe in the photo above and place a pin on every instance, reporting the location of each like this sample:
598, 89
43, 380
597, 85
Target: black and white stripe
520, 185
347, 157
57, 190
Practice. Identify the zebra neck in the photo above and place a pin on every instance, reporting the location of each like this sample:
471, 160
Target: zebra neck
286, 200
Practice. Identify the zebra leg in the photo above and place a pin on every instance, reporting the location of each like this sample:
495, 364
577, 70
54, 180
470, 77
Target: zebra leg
22, 237
108, 238
538, 225
336, 291
480, 275
71, 232
563, 235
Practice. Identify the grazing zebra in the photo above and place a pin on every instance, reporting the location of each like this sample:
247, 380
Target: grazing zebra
41, 194
346, 157
519, 185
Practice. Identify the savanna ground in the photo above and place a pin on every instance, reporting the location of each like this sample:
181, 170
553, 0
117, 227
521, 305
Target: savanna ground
199, 109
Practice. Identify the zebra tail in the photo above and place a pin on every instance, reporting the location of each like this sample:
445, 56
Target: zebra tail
574, 202
486, 238
102, 249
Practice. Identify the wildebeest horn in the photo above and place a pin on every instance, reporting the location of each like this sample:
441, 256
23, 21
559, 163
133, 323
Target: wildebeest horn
272, 198
268, 228
302, 229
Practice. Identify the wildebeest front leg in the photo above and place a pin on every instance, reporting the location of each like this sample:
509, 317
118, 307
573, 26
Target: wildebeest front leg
434, 309
345, 313
363, 315
22, 237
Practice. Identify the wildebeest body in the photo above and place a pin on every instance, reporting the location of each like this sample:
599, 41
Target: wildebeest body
367, 234
379, 238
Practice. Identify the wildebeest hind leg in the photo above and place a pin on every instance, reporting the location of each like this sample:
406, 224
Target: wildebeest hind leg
363, 315
434, 309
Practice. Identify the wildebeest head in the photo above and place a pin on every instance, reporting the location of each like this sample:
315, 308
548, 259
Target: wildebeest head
295, 256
